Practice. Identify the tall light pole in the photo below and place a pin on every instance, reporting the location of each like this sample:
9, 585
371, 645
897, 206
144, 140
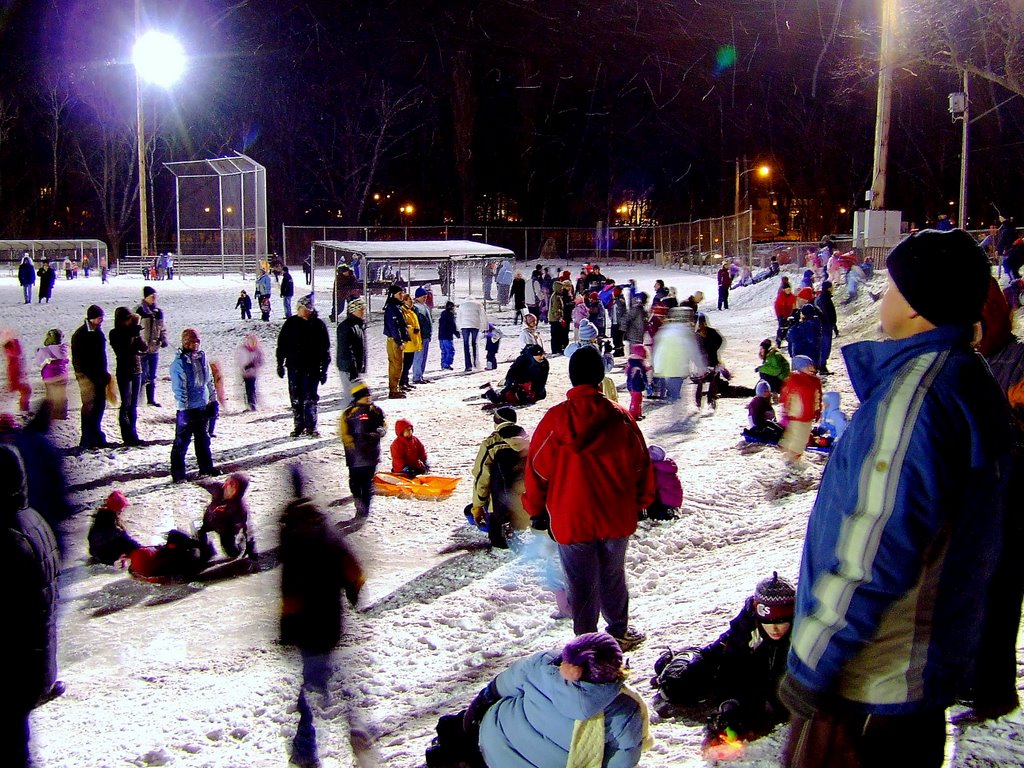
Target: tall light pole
883, 106
159, 59
764, 171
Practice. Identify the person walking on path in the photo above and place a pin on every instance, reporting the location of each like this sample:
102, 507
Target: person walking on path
350, 347
304, 349
128, 346
724, 284
89, 360
589, 436
422, 309
397, 334
47, 277
287, 291
30, 563
27, 277
192, 385
154, 333
905, 531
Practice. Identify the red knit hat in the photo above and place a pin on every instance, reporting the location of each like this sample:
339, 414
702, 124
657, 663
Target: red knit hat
774, 600
116, 501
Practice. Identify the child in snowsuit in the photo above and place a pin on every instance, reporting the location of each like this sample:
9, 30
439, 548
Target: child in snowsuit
244, 303
579, 314
408, 456
17, 381
53, 357
250, 361
636, 380
733, 680
361, 427
228, 516
762, 426
492, 340
108, 539
668, 495
801, 404
833, 420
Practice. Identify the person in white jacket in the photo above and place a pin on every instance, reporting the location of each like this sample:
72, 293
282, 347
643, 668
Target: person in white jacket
676, 352
530, 334
471, 319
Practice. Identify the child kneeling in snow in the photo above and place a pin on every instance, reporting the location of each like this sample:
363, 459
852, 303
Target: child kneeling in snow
228, 516
761, 416
108, 539
668, 495
408, 456
733, 681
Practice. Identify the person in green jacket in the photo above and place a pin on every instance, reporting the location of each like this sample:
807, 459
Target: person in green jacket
774, 367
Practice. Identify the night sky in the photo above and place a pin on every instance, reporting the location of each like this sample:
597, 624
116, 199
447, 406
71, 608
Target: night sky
545, 113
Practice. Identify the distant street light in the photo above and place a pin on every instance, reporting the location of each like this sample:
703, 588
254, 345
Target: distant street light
159, 59
764, 171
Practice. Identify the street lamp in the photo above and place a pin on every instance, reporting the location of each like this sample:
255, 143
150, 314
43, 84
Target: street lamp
764, 171
159, 59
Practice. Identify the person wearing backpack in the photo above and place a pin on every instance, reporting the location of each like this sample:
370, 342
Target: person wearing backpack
498, 479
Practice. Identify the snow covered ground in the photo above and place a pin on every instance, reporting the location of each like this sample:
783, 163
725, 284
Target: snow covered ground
192, 675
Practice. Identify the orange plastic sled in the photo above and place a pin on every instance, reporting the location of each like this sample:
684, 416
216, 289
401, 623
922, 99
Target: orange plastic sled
431, 487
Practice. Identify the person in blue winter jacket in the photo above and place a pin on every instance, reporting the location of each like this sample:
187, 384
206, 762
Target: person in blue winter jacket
904, 534
538, 712
804, 338
833, 421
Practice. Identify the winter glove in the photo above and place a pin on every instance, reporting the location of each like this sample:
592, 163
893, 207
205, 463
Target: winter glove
280, 371
479, 515
541, 522
163, 343
478, 707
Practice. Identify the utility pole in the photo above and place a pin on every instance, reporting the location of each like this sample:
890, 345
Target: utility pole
143, 213
962, 213
884, 105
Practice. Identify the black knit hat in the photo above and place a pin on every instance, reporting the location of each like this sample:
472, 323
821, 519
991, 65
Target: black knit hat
586, 367
942, 275
94, 311
147, 291
774, 600
504, 414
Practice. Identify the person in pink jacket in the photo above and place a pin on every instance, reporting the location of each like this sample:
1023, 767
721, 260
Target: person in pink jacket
53, 358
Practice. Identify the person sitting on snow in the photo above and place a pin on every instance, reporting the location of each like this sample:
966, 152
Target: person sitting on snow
108, 539
732, 682
774, 366
228, 516
762, 427
668, 491
833, 420
180, 558
526, 380
408, 456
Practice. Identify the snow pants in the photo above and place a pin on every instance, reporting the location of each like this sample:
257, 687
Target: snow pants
596, 579
188, 424
302, 390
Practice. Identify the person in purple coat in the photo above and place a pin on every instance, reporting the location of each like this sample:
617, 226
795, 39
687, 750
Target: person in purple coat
668, 490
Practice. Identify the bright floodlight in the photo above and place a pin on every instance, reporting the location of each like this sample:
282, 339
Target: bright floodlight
159, 58
764, 171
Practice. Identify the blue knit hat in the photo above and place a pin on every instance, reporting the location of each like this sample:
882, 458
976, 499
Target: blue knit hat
762, 388
588, 331
803, 361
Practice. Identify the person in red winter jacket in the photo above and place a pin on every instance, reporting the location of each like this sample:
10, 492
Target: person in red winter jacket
588, 475
408, 456
801, 404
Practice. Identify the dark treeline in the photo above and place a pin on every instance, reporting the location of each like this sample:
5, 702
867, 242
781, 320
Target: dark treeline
555, 111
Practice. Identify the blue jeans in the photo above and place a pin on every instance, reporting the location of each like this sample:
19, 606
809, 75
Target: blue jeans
447, 353
28, 293
149, 364
595, 573
287, 301
419, 361
469, 336
193, 422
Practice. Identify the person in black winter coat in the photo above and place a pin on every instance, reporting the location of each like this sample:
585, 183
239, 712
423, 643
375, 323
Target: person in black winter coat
304, 348
47, 277
447, 332
317, 567
244, 303
733, 680
228, 516
287, 291
89, 360
829, 324
526, 380
517, 292
29, 565
362, 427
128, 347
350, 347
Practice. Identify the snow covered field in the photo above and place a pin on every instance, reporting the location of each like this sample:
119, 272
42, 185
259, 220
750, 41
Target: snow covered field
192, 675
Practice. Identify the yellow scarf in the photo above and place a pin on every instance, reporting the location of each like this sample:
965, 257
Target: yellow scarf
586, 750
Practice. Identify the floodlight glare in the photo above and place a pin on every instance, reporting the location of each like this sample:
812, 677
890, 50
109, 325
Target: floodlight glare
159, 58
